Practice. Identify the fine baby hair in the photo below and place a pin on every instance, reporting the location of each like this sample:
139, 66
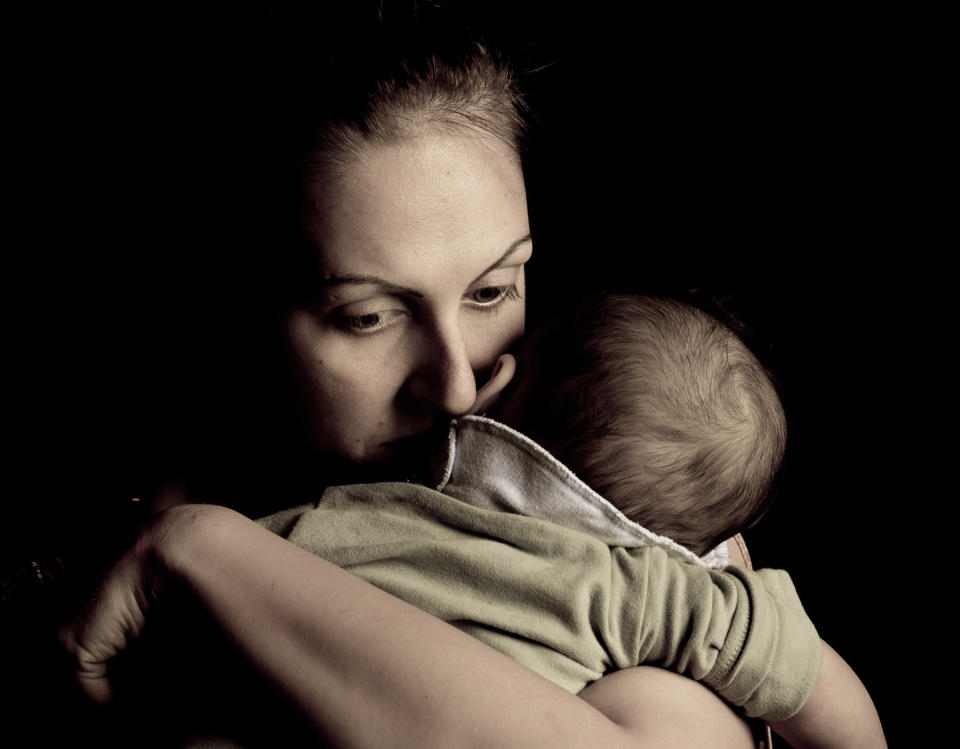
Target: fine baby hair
660, 408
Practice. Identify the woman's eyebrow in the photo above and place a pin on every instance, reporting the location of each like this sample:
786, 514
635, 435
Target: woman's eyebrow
503, 258
363, 280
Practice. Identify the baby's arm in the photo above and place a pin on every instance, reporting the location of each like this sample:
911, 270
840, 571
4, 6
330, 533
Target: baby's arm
838, 712
745, 635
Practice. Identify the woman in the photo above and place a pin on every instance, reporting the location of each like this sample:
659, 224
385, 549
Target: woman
410, 285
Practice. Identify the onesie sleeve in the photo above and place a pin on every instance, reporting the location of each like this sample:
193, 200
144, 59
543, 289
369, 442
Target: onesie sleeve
742, 633
283, 521
778, 664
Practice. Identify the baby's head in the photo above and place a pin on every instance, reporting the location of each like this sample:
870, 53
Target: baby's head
657, 406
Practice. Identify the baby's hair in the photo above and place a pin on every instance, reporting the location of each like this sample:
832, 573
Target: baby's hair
660, 408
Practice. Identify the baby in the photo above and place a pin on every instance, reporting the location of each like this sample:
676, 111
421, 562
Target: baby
633, 435
657, 406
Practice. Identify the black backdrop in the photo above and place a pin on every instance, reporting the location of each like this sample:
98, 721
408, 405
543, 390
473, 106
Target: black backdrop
766, 160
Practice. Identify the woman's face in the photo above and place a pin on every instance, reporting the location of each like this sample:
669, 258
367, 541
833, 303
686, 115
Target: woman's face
421, 247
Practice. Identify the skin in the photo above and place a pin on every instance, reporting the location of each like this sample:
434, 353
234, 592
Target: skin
422, 246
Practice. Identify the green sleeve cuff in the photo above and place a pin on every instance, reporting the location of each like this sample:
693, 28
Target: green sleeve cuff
772, 674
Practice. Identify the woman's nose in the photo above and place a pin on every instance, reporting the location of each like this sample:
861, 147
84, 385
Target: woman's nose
444, 375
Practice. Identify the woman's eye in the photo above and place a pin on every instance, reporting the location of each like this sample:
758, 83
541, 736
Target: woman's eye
368, 322
490, 296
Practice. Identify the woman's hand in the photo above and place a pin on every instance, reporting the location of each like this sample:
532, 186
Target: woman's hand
113, 617
116, 613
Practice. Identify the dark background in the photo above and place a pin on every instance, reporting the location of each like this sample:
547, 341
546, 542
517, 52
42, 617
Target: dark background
778, 162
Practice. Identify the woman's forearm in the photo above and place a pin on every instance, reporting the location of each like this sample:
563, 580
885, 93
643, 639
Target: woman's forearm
366, 668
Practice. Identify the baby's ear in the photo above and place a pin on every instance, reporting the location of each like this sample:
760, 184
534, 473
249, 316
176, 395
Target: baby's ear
503, 372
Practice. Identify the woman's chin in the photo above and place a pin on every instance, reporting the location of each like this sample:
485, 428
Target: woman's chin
401, 459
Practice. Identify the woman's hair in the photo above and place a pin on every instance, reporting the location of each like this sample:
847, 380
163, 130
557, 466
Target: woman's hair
661, 409
392, 97
341, 79
376, 72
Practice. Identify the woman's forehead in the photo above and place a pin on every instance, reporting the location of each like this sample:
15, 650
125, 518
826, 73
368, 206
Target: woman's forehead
432, 199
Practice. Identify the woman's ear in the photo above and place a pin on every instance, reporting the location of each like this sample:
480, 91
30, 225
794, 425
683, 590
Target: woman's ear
503, 372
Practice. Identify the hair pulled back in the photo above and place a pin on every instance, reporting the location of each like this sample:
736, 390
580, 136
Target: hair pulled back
339, 80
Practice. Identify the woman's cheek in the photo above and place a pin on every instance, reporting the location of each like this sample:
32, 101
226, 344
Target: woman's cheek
323, 365
494, 334
361, 372
305, 341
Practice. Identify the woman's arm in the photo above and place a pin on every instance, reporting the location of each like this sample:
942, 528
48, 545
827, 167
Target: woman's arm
664, 709
368, 669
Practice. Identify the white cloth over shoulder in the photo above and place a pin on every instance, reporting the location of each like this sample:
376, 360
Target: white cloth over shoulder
487, 464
